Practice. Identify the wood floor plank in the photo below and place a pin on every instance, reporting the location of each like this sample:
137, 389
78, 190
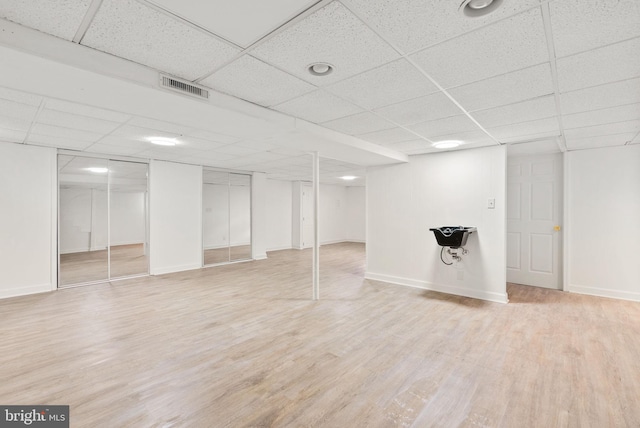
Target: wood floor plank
243, 345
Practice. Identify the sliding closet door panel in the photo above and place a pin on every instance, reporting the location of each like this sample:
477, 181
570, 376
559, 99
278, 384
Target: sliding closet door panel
240, 216
83, 220
128, 215
215, 216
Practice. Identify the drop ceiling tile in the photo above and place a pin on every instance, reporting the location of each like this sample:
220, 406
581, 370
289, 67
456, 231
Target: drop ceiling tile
212, 136
157, 125
449, 125
505, 89
632, 126
260, 146
16, 110
599, 97
20, 97
116, 141
599, 141
599, 117
580, 25
388, 136
332, 35
603, 65
526, 129
12, 136
236, 150
141, 134
109, 149
253, 80
88, 111
359, 124
131, 30
83, 123
469, 139
430, 107
505, 46
533, 148
60, 18
393, 82
412, 145
537, 108
61, 132
56, 141
414, 24
13, 124
318, 106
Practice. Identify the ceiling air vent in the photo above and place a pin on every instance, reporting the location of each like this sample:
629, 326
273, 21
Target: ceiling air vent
183, 87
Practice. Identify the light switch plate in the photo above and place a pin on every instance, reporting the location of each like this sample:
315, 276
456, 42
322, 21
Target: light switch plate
491, 203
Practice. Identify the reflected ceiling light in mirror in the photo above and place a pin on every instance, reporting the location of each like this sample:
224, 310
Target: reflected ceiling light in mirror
162, 141
349, 177
97, 170
447, 144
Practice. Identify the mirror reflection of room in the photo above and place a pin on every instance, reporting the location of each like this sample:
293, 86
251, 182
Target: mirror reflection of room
103, 211
226, 214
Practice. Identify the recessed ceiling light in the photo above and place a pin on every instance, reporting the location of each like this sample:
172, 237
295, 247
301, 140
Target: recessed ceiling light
320, 68
476, 8
349, 177
446, 144
97, 170
163, 141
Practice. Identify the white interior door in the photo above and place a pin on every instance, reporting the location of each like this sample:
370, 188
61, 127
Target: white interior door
307, 216
534, 210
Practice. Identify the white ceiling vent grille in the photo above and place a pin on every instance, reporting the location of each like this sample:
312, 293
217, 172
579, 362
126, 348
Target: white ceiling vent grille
183, 87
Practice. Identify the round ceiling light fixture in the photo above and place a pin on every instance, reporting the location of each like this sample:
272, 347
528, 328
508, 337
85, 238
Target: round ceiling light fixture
349, 177
477, 8
320, 68
162, 141
447, 144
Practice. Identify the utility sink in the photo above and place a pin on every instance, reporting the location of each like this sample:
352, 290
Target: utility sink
452, 236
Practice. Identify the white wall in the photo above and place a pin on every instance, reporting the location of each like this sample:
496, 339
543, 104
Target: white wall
259, 225
356, 227
175, 217
127, 218
451, 188
27, 219
333, 214
602, 227
226, 215
279, 214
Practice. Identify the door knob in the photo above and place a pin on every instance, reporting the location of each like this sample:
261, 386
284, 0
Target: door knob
557, 228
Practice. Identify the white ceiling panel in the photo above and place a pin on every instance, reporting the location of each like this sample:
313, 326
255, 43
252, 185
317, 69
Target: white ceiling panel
388, 136
331, 35
533, 148
20, 97
253, 80
236, 150
394, 82
449, 125
13, 124
116, 141
222, 16
83, 123
89, 111
168, 127
599, 117
505, 46
16, 110
599, 141
580, 25
505, 89
537, 108
60, 142
632, 126
318, 106
599, 97
131, 30
71, 133
415, 24
469, 139
141, 134
60, 18
359, 124
548, 126
112, 149
430, 107
604, 65
12, 135
211, 136
411, 146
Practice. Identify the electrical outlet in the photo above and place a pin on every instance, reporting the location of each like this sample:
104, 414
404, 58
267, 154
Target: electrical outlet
491, 203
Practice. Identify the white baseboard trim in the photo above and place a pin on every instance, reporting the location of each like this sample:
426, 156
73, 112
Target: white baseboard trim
260, 256
280, 248
357, 241
603, 292
448, 289
23, 291
173, 269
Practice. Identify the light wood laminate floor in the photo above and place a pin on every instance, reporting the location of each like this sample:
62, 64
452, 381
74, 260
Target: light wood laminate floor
243, 345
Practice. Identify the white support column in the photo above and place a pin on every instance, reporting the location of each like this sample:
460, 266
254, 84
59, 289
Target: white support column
316, 226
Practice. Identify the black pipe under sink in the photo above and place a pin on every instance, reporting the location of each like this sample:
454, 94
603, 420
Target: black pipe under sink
452, 236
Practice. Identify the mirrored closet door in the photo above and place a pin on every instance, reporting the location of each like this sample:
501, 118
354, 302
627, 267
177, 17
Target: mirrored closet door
103, 211
226, 217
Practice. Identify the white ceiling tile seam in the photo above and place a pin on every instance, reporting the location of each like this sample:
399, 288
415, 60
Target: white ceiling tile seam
87, 20
34, 120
